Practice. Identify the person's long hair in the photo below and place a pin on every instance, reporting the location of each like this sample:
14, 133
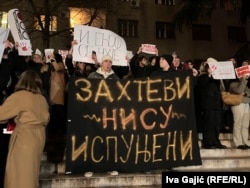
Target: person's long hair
29, 80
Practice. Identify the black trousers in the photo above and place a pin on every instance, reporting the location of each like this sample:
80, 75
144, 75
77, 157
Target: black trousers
4, 145
56, 130
212, 123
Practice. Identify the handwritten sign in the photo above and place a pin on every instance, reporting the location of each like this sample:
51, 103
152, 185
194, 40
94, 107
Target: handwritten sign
149, 48
4, 33
48, 54
103, 42
242, 71
17, 27
131, 125
64, 54
222, 69
24, 48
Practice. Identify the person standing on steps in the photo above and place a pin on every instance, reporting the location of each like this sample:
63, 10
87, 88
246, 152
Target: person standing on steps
6, 88
139, 65
241, 113
105, 71
211, 104
30, 110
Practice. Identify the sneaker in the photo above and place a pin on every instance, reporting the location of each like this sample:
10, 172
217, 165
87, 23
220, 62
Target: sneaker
88, 174
114, 173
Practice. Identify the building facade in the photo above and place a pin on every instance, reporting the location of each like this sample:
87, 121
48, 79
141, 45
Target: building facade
147, 22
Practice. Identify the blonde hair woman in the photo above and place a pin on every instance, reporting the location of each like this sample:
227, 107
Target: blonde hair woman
30, 111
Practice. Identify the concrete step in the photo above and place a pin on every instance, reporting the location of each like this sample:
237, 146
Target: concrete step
123, 180
213, 160
221, 153
220, 162
222, 136
100, 180
218, 158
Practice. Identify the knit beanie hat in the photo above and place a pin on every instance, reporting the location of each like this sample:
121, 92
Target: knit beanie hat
168, 58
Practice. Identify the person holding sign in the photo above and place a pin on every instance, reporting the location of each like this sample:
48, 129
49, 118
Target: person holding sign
211, 106
80, 69
6, 85
57, 125
241, 112
139, 65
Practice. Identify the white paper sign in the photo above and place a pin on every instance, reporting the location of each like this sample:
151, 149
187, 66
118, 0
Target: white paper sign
149, 48
130, 54
63, 53
103, 42
48, 54
2, 47
17, 27
24, 48
4, 33
222, 69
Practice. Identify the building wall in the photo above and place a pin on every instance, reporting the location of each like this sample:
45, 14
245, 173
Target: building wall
147, 14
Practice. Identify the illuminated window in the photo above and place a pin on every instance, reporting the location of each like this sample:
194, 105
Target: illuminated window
230, 5
83, 16
3, 19
128, 28
52, 25
166, 2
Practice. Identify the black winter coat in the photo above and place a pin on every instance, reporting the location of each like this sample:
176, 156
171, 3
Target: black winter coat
209, 92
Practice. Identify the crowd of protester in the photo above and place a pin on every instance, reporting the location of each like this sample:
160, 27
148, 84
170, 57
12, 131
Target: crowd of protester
212, 116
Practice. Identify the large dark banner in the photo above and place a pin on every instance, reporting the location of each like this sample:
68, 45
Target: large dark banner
131, 125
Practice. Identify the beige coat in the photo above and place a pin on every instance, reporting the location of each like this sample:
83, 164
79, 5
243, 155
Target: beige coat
57, 84
31, 115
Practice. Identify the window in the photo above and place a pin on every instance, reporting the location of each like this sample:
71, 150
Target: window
83, 16
201, 32
166, 2
230, 5
236, 34
165, 30
52, 26
3, 19
128, 28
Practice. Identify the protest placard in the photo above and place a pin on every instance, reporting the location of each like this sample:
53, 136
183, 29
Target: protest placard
102, 41
131, 125
222, 69
17, 27
48, 54
242, 71
64, 54
149, 48
24, 48
4, 33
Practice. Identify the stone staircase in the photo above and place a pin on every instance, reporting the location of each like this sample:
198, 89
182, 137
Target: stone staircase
213, 160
